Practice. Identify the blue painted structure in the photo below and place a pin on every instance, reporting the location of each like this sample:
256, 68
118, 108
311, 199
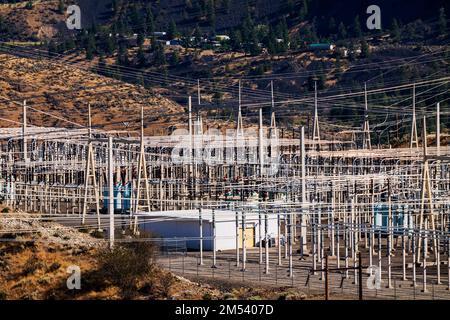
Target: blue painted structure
122, 197
401, 218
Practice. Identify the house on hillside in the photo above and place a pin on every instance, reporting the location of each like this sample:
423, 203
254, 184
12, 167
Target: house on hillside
321, 47
222, 37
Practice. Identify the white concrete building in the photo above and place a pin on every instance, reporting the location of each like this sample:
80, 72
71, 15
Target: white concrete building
185, 224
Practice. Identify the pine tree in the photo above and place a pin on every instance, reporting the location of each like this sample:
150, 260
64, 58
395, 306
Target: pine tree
110, 44
364, 49
122, 55
342, 31
357, 32
90, 46
211, 14
395, 30
140, 39
142, 61
332, 26
149, 21
159, 57
271, 42
172, 32
61, 6
52, 48
174, 58
236, 40
303, 10
442, 22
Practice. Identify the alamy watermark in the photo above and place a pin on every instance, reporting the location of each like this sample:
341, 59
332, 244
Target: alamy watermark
231, 148
74, 280
374, 20
73, 21
374, 280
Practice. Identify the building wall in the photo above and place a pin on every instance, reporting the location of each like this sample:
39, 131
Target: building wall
225, 231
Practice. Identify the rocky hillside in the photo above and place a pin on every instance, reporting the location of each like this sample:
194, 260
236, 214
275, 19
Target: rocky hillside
63, 91
35, 253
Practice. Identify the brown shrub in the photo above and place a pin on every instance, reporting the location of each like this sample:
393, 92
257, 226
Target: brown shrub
32, 265
125, 264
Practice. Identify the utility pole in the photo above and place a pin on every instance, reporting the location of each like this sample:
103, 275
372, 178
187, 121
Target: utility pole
327, 270
414, 138
327, 292
316, 129
24, 131
198, 92
366, 135
438, 129
261, 144
200, 221
111, 191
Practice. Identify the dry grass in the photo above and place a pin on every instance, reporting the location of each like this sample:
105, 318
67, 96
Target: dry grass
66, 91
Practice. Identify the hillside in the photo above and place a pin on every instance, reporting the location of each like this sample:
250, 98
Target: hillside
268, 41
40, 22
64, 91
35, 253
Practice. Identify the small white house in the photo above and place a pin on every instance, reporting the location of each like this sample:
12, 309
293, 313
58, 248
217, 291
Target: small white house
222, 37
185, 224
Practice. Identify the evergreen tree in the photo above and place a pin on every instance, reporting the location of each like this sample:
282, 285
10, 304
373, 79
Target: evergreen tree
140, 39
141, 60
357, 32
197, 36
442, 22
122, 55
172, 32
226, 6
332, 26
159, 57
236, 40
90, 46
174, 58
110, 45
253, 45
395, 30
342, 31
89, 53
303, 10
211, 14
271, 42
61, 6
149, 21
52, 48
364, 49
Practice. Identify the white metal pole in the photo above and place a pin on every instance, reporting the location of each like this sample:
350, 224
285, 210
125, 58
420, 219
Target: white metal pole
200, 221
237, 239
291, 271
214, 237
111, 191
266, 225
279, 237
438, 129
24, 131
261, 144
244, 237
198, 91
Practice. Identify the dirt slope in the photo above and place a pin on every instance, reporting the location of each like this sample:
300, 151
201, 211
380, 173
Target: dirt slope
65, 91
